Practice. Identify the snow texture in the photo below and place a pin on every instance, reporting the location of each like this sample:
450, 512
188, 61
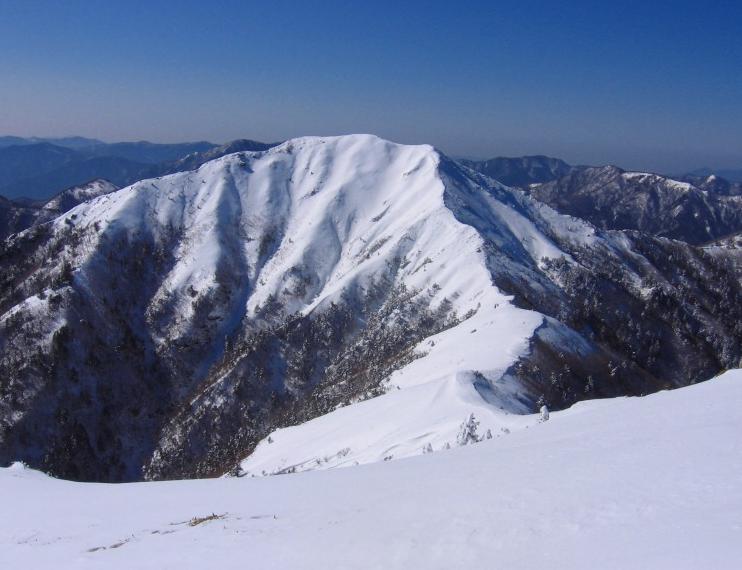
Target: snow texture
648, 482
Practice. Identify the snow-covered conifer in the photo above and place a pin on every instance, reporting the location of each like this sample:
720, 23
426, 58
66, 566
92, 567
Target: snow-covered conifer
468, 431
544, 413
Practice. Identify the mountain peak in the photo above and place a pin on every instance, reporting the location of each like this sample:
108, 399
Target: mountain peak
327, 277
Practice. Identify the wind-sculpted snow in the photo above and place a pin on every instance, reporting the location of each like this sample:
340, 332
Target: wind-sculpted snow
165, 329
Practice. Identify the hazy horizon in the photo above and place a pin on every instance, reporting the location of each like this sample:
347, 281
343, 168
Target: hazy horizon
627, 166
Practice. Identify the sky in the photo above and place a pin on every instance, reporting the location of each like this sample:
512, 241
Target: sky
651, 85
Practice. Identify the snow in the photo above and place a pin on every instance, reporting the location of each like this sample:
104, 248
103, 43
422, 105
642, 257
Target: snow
461, 373
327, 215
338, 209
82, 193
537, 245
669, 182
647, 482
316, 217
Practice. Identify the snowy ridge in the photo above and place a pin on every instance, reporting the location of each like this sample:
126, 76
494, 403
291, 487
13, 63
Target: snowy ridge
71, 197
646, 177
365, 293
332, 211
299, 226
422, 418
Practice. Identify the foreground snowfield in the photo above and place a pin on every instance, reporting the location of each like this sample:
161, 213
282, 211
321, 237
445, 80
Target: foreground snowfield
649, 482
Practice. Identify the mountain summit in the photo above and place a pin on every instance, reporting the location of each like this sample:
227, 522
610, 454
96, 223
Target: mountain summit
165, 329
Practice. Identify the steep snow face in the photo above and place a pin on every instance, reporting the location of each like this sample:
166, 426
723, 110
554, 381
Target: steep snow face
301, 225
253, 243
163, 330
647, 482
357, 211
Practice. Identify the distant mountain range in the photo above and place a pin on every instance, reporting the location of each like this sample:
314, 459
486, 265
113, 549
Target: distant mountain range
67, 142
694, 208
195, 159
521, 171
21, 213
38, 168
612, 198
733, 174
698, 207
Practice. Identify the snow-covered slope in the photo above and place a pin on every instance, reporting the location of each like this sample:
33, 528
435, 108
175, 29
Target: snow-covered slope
423, 417
71, 197
163, 330
16, 216
647, 482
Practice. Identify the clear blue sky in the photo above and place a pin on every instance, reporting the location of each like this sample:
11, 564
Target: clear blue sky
647, 84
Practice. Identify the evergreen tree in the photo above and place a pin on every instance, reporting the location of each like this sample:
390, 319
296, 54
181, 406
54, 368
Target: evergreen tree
468, 431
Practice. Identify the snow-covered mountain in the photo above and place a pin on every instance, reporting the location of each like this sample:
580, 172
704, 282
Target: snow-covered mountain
626, 483
165, 329
195, 159
695, 210
18, 216
715, 184
733, 174
71, 197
